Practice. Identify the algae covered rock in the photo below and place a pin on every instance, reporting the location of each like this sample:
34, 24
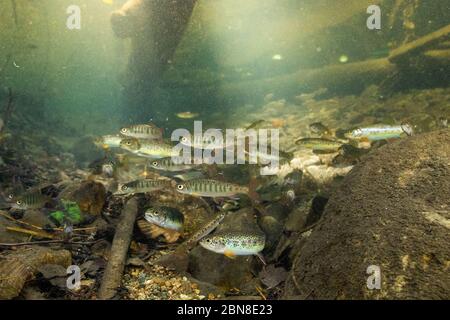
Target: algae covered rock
387, 224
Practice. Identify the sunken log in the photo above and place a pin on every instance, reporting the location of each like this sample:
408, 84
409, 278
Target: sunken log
112, 277
392, 211
349, 78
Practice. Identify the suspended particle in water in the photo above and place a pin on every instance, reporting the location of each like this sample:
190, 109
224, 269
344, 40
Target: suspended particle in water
343, 59
277, 57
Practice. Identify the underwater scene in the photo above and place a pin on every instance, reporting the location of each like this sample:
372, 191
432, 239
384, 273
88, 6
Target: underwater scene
224, 149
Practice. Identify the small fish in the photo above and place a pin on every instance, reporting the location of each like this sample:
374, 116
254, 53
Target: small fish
148, 148
108, 141
143, 131
278, 122
31, 200
204, 230
165, 217
167, 164
258, 124
234, 244
319, 144
268, 156
320, 129
211, 188
143, 186
379, 132
206, 142
187, 115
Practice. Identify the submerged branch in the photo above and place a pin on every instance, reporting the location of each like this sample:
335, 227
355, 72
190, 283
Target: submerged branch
419, 45
112, 277
62, 241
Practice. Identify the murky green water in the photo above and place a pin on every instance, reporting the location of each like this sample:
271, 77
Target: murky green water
91, 91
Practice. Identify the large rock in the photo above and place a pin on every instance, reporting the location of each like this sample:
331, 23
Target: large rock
391, 211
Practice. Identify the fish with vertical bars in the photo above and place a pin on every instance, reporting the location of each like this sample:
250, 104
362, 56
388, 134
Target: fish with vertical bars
31, 200
211, 188
167, 164
148, 148
143, 186
143, 131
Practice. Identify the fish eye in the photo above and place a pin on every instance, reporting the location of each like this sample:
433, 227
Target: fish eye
124, 187
123, 130
156, 213
208, 240
19, 202
180, 187
10, 196
184, 139
155, 164
128, 143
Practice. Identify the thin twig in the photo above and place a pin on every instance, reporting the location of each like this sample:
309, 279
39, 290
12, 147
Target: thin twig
40, 234
258, 289
18, 244
40, 228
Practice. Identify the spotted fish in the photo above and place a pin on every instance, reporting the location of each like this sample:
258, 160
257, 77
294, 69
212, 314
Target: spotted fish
233, 244
319, 144
167, 164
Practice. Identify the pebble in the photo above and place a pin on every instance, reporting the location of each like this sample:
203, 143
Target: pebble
158, 283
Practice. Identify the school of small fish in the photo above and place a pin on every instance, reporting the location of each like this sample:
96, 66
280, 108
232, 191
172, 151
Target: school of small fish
143, 146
